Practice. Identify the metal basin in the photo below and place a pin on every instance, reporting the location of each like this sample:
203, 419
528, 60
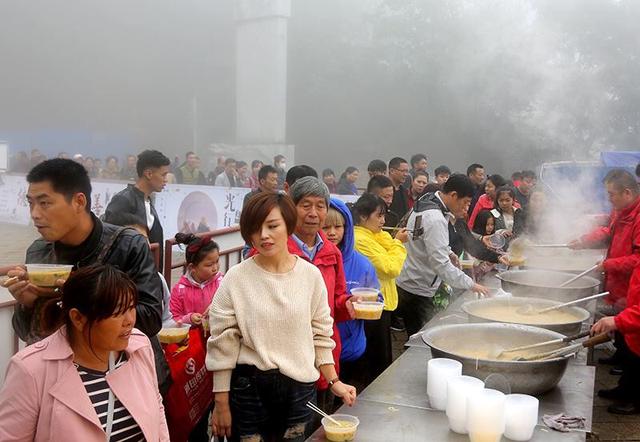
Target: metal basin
528, 377
545, 284
477, 312
562, 259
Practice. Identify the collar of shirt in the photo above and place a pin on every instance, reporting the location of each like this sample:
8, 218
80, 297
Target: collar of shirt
450, 216
310, 252
193, 281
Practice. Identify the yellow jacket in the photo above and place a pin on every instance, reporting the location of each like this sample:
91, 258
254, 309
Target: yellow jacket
387, 256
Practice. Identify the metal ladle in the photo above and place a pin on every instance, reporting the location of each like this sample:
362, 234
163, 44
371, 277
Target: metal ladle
529, 310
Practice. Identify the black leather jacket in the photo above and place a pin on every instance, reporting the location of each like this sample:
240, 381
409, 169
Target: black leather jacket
131, 200
130, 253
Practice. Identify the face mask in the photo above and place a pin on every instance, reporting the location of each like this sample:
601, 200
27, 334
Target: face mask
283, 165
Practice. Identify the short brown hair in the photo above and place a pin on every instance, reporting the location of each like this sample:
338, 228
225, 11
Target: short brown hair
621, 180
260, 206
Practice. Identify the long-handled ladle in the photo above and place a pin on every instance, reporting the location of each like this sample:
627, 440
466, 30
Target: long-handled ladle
575, 278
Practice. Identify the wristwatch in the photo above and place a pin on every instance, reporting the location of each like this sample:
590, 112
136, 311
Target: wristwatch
333, 381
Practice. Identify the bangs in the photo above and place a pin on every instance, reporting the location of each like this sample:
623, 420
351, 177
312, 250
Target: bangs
114, 296
334, 218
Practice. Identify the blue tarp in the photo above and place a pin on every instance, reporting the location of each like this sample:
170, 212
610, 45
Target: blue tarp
585, 177
627, 160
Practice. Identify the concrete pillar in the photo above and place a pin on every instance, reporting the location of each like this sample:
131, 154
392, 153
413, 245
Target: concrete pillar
261, 71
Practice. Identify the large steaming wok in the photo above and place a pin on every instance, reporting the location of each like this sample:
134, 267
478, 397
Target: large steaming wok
545, 284
561, 259
528, 377
477, 312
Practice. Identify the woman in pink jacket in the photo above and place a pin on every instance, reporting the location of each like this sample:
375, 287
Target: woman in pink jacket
94, 378
487, 201
192, 295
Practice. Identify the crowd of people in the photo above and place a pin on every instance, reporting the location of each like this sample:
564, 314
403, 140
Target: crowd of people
281, 326
227, 173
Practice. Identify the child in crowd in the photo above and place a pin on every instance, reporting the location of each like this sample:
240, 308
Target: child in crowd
484, 224
359, 272
192, 295
509, 219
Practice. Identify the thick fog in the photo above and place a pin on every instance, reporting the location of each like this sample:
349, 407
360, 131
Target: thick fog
509, 83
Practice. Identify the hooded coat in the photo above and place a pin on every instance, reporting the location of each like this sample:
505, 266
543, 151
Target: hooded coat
359, 272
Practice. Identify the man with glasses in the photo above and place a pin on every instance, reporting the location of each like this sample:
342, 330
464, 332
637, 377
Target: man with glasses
398, 174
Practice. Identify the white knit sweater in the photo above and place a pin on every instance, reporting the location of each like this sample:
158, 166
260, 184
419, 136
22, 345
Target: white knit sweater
272, 321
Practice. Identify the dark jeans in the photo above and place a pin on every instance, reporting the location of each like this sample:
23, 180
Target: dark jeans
378, 354
416, 310
630, 362
268, 406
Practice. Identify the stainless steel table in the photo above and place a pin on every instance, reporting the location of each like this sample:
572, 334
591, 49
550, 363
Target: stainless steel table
395, 406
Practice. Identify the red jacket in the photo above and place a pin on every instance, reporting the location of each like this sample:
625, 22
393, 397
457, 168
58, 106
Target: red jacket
628, 320
623, 255
329, 261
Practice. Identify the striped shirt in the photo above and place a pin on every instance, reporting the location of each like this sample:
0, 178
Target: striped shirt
124, 428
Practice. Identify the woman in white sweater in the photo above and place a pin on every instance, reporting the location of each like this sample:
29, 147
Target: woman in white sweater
270, 333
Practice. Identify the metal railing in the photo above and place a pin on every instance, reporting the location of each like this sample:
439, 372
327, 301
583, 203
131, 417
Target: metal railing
225, 255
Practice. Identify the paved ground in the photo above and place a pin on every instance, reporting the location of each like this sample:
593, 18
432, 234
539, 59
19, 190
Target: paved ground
606, 427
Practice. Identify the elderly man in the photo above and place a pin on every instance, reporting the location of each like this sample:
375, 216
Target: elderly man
621, 236
622, 239
311, 197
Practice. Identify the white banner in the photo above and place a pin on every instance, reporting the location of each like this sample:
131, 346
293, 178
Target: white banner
13, 200
194, 209
181, 207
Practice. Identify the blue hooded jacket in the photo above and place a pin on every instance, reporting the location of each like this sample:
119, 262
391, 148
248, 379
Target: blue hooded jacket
359, 272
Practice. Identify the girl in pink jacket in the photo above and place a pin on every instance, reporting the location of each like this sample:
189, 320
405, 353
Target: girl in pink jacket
191, 296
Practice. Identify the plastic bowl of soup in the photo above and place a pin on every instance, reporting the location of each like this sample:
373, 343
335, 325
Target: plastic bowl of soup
345, 431
467, 264
46, 275
174, 335
516, 260
368, 310
369, 294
